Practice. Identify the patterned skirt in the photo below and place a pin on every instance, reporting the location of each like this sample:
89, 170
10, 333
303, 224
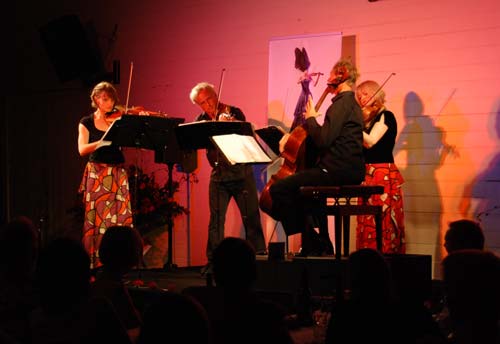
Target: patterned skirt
107, 203
393, 228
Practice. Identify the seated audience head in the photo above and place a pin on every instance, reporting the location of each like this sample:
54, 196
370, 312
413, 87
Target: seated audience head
463, 234
63, 275
369, 276
177, 315
18, 247
121, 249
234, 264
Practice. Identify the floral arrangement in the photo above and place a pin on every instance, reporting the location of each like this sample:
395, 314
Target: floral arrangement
153, 205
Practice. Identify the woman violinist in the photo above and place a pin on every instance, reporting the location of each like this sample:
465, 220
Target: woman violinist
104, 184
379, 135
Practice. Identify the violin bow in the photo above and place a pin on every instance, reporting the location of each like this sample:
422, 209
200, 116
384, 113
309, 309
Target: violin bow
381, 86
129, 83
219, 92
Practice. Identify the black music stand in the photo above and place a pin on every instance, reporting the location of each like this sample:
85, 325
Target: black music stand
196, 135
205, 134
155, 133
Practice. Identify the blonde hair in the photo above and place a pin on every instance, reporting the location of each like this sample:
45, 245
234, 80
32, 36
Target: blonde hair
371, 87
103, 87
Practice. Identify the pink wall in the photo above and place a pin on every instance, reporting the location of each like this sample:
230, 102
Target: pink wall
445, 92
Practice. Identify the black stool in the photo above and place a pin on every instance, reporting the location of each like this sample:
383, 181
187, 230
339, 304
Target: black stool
342, 210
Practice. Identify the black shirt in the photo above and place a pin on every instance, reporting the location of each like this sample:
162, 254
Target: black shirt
107, 154
222, 170
382, 151
340, 138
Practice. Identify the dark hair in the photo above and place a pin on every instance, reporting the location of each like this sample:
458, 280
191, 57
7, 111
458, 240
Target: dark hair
234, 263
369, 274
302, 62
464, 234
172, 313
18, 245
121, 247
63, 274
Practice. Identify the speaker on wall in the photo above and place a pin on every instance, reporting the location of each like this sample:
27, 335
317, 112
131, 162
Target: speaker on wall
70, 50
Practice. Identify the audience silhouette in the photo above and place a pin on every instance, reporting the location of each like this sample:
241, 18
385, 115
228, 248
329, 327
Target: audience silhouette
49, 297
371, 311
18, 254
471, 280
176, 316
67, 313
463, 234
119, 252
236, 313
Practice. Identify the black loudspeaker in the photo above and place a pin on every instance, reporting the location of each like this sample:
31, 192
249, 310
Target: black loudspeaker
73, 54
412, 276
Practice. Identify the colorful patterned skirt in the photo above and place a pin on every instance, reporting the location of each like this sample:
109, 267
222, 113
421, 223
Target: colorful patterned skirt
393, 228
107, 203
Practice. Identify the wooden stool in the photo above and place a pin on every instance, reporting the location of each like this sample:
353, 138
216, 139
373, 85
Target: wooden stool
343, 210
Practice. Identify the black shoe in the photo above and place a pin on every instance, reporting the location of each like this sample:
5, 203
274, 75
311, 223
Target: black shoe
206, 270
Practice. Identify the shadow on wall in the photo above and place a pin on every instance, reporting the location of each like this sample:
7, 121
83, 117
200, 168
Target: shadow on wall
481, 197
425, 148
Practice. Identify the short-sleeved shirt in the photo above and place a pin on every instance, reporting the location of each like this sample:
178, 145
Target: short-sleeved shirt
107, 154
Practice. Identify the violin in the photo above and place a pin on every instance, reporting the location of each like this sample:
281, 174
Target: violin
372, 107
119, 111
370, 111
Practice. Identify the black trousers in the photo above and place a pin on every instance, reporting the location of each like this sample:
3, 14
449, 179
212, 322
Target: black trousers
244, 192
291, 210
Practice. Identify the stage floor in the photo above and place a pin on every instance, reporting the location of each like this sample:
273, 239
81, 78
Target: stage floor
282, 279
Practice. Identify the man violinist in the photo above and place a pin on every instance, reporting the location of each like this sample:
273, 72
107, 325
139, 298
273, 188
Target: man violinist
339, 143
227, 181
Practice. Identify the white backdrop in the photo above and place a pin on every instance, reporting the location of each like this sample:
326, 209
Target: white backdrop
323, 50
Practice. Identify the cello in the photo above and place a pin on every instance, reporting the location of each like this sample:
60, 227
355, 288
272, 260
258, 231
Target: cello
293, 157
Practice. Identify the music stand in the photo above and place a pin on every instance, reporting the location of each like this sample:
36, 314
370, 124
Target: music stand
201, 134
196, 135
154, 133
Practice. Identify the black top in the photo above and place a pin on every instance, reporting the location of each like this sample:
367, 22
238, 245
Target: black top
340, 138
108, 154
382, 151
222, 170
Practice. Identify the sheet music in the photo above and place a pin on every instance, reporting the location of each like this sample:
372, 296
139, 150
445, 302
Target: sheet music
240, 149
103, 138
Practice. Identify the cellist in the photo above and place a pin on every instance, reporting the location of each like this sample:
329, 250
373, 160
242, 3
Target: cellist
339, 143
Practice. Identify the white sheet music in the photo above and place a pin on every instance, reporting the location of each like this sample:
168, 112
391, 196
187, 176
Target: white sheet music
241, 149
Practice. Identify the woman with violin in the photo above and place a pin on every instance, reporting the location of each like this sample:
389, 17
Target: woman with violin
227, 181
339, 143
105, 182
379, 136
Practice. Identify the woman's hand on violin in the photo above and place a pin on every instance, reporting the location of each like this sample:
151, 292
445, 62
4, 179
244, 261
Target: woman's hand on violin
310, 110
283, 142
